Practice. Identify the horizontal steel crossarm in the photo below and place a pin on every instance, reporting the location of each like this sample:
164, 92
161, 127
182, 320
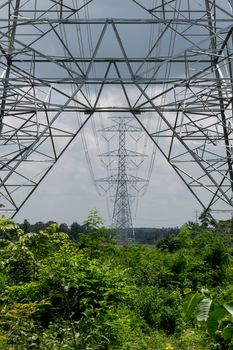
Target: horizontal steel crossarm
60, 59
71, 109
115, 128
100, 21
130, 179
127, 153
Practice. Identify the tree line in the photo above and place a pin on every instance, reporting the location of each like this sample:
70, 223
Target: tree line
144, 235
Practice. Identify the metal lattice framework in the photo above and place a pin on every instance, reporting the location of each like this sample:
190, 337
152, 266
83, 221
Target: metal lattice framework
62, 60
122, 217
123, 184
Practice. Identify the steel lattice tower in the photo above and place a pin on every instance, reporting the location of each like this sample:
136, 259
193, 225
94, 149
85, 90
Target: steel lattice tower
123, 180
62, 61
122, 217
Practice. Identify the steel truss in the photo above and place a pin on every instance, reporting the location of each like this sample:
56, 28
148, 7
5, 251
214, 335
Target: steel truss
123, 184
52, 84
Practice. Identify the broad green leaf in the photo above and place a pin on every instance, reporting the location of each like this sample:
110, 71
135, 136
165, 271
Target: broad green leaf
227, 333
191, 303
218, 313
215, 316
203, 309
229, 308
212, 326
187, 291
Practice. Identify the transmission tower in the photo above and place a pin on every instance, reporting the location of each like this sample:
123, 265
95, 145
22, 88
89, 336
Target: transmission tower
181, 81
125, 185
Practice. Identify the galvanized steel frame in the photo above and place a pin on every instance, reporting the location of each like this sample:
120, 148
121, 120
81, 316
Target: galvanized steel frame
193, 108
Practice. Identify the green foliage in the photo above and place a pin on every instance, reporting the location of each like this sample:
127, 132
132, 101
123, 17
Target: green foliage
191, 303
8, 229
218, 318
95, 237
183, 239
90, 293
93, 221
206, 219
59, 284
160, 308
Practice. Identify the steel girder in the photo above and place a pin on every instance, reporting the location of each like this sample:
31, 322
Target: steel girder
59, 64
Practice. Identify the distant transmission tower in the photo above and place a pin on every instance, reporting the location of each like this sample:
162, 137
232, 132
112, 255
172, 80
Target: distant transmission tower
125, 184
122, 217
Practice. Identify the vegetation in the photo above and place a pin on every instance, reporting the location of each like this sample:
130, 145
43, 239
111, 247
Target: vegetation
144, 235
88, 292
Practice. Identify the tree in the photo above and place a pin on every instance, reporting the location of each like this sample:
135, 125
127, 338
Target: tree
26, 226
207, 219
75, 229
63, 228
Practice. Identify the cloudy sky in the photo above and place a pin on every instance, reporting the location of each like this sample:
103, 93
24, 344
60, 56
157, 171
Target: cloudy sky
68, 194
